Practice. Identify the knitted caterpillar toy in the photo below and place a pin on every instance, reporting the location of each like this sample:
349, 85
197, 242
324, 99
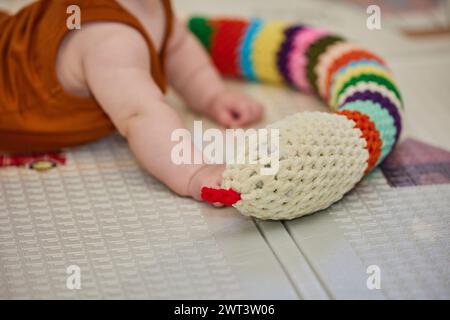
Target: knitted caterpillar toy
322, 155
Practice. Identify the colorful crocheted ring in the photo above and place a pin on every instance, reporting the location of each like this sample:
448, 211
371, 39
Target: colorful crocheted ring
322, 155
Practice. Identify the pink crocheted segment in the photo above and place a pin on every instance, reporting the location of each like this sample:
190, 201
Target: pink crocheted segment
224, 196
297, 58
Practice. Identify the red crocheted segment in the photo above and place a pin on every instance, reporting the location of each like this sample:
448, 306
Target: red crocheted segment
345, 59
227, 37
227, 197
369, 132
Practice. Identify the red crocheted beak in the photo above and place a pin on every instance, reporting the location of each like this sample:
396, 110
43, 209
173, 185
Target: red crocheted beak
226, 197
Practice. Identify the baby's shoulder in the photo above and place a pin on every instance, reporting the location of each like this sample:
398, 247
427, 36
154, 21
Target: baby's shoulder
95, 45
110, 38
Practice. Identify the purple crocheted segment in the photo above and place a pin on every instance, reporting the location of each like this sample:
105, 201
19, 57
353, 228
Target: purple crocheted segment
285, 48
383, 101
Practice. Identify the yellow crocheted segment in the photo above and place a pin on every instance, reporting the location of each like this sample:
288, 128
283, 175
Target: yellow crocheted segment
264, 54
322, 156
355, 71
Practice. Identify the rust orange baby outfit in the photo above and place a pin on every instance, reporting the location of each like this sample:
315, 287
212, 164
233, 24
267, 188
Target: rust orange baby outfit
36, 114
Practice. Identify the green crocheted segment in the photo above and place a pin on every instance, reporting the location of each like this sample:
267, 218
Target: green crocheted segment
313, 53
201, 28
369, 78
381, 118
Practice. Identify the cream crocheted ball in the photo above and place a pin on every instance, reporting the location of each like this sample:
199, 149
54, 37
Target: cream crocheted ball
321, 157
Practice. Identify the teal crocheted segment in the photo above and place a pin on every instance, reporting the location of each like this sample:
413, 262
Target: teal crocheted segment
246, 49
381, 118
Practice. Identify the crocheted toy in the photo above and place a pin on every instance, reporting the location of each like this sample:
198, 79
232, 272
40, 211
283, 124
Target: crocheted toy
322, 155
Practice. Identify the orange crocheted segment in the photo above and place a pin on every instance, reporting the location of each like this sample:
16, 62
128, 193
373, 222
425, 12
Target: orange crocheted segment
369, 133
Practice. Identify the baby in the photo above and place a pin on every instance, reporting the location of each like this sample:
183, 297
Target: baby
66, 87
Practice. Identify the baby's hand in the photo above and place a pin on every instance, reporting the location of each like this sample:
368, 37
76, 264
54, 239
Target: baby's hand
233, 109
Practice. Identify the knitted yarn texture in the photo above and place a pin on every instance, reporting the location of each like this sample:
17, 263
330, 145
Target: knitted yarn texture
322, 155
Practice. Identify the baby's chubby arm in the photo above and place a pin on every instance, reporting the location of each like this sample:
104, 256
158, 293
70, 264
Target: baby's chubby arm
123, 86
193, 76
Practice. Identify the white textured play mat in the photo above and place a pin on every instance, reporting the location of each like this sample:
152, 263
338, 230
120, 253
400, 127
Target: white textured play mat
132, 238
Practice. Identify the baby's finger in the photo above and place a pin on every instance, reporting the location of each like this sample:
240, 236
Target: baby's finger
257, 110
218, 204
217, 184
253, 111
225, 118
243, 113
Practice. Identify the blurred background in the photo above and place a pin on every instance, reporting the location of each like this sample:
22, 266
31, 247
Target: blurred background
414, 39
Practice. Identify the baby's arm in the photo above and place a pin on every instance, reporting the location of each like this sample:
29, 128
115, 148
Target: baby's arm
122, 84
193, 76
